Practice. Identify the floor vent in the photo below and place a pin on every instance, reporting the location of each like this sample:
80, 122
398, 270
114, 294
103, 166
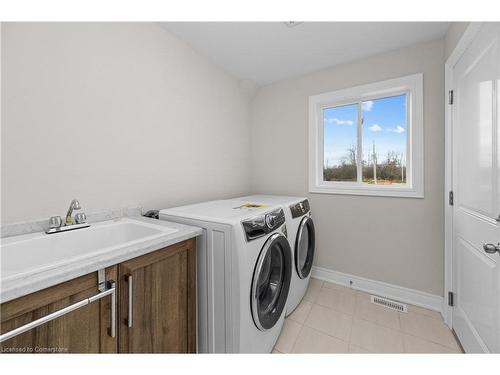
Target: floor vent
390, 304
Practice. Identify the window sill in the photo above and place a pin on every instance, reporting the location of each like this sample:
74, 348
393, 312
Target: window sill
368, 191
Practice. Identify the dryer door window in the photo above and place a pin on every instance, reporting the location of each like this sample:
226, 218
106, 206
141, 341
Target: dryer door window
271, 282
304, 247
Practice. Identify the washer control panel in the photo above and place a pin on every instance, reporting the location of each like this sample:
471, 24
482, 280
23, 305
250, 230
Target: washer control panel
300, 208
259, 226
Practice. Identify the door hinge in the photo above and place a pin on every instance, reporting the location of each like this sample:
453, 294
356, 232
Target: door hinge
450, 97
450, 299
450, 197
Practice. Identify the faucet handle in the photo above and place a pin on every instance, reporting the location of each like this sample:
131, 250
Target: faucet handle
80, 218
55, 222
75, 204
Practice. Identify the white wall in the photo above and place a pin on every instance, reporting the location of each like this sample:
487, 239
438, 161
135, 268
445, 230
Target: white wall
453, 35
125, 114
115, 114
395, 240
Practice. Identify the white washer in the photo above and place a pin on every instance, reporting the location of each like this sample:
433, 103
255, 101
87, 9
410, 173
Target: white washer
244, 269
301, 236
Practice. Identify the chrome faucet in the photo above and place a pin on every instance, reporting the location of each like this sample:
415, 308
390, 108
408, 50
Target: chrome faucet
74, 205
56, 225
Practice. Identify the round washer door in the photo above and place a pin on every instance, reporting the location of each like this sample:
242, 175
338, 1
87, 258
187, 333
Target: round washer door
271, 282
304, 247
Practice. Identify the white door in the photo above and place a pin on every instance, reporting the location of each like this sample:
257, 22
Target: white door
476, 181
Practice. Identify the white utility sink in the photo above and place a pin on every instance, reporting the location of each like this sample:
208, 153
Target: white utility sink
38, 252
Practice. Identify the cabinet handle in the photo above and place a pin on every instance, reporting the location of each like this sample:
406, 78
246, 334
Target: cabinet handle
87, 301
130, 300
113, 310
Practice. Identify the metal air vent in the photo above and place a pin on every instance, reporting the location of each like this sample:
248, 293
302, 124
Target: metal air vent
390, 304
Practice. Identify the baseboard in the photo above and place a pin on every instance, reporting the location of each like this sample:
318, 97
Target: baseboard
399, 293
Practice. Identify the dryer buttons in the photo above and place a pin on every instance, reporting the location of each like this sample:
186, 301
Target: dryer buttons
270, 221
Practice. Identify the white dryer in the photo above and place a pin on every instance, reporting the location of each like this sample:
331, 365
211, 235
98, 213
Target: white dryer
301, 236
244, 272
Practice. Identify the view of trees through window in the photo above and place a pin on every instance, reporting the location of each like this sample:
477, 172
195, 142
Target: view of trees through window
383, 141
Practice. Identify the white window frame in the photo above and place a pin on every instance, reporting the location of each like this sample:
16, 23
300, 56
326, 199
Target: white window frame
412, 86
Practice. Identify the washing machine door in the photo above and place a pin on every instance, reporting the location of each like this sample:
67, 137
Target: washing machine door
271, 282
304, 247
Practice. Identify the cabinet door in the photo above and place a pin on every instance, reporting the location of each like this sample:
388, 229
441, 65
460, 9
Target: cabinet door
85, 330
158, 293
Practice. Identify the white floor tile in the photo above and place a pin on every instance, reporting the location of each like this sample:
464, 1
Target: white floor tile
421, 310
428, 328
312, 341
288, 335
336, 299
312, 291
330, 322
301, 312
357, 349
415, 344
367, 310
376, 338
334, 319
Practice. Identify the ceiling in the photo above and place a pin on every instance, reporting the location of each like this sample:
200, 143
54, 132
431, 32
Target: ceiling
265, 52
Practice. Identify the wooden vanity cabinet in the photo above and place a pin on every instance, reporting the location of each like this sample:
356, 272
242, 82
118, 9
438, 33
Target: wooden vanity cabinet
85, 330
158, 293
163, 302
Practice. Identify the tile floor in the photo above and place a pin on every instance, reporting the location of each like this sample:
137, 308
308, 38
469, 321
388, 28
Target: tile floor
335, 319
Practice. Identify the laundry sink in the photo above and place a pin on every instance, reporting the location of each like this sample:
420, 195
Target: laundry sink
38, 252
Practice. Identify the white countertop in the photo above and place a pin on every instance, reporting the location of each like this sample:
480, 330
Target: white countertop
14, 287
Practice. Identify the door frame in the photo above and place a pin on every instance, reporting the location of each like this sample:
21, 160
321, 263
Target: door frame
462, 45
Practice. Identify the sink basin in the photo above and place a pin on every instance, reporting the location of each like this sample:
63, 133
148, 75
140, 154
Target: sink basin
39, 252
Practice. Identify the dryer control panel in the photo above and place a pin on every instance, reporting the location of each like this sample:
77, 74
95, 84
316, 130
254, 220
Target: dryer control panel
261, 225
300, 209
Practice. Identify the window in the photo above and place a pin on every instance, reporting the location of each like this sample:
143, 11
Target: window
368, 140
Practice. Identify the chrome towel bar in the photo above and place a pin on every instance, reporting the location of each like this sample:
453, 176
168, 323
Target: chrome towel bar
111, 290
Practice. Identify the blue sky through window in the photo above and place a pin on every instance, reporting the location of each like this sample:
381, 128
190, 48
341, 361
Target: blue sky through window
384, 123
339, 131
